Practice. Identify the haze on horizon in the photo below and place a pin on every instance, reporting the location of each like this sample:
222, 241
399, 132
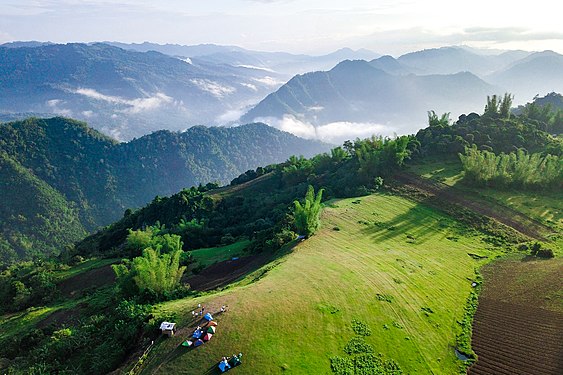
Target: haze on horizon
313, 26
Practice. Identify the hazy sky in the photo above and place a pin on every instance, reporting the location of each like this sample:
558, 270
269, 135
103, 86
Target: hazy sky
310, 26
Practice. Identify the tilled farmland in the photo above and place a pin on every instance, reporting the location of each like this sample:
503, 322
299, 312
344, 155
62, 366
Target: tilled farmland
513, 334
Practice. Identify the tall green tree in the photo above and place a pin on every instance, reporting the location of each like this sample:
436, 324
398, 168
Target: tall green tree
307, 215
157, 271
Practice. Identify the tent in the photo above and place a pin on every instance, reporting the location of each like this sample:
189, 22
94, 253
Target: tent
197, 334
198, 342
212, 323
235, 361
207, 336
187, 343
211, 330
224, 366
208, 317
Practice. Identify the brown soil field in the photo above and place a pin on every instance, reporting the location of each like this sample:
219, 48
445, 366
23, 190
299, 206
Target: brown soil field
518, 326
73, 286
223, 273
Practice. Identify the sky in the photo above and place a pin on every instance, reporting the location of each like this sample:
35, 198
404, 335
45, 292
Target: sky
299, 26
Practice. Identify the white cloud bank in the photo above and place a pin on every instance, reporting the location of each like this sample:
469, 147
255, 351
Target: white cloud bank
134, 106
212, 87
334, 132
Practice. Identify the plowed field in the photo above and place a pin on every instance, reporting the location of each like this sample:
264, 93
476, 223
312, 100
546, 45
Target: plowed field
518, 327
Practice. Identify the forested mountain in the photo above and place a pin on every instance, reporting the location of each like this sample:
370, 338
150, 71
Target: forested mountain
61, 178
356, 91
125, 93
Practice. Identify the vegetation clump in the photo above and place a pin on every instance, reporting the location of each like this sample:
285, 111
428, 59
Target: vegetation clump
516, 169
307, 215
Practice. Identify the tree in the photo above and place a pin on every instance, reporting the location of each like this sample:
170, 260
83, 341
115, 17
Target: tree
307, 215
435, 121
154, 271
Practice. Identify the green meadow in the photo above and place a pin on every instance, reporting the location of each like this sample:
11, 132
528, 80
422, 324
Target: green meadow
400, 268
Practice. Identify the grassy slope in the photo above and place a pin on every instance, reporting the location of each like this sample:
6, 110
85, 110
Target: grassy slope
298, 316
546, 207
208, 256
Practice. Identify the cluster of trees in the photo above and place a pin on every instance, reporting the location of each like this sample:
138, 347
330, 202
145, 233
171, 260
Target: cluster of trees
497, 130
516, 169
156, 274
28, 284
546, 112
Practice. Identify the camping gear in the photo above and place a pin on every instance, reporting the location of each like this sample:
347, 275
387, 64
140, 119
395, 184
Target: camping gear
197, 334
211, 330
168, 328
212, 324
208, 317
187, 343
235, 360
207, 336
224, 366
198, 342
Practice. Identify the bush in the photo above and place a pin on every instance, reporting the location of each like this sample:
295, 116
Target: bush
545, 253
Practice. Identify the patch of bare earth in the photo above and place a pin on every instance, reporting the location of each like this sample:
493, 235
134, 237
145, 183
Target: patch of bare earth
223, 273
96, 278
518, 326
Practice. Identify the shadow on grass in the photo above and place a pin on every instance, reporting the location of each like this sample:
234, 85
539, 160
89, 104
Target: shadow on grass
413, 225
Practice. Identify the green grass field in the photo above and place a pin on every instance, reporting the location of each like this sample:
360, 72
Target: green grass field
545, 206
208, 256
379, 259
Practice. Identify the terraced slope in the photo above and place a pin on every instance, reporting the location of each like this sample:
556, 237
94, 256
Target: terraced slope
401, 268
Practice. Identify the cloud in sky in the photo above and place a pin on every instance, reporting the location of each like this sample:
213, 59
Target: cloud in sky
313, 26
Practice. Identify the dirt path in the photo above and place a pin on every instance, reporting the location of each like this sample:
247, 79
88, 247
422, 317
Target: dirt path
502, 214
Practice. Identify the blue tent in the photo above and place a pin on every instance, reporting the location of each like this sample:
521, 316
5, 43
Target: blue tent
197, 334
198, 342
224, 366
208, 317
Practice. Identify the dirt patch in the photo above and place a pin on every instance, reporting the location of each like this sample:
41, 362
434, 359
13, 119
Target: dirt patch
512, 333
96, 278
502, 214
222, 273
59, 318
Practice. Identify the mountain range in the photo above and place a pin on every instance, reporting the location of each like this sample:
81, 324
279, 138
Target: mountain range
129, 90
393, 95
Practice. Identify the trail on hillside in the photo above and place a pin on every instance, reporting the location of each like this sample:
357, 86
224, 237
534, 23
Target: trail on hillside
502, 214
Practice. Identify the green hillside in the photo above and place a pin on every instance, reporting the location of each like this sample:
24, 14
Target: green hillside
388, 284
401, 268
99, 178
35, 219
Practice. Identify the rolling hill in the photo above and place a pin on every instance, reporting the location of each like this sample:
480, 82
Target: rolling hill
65, 170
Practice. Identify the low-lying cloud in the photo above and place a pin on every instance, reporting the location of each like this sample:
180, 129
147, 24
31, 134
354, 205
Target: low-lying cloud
212, 87
132, 106
334, 132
